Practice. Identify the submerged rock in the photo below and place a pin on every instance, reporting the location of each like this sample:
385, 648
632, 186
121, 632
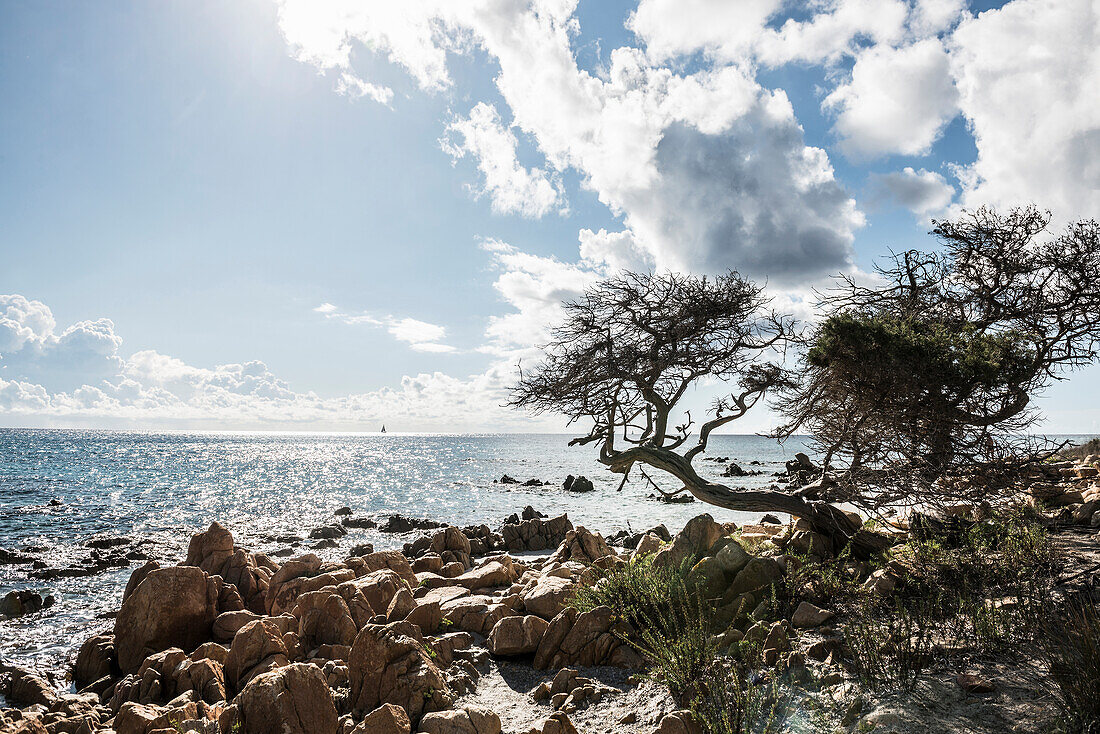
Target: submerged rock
578, 484
23, 601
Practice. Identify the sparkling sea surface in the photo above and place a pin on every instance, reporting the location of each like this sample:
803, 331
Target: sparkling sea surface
163, 487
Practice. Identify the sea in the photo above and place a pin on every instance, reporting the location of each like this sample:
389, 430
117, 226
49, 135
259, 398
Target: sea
62, 489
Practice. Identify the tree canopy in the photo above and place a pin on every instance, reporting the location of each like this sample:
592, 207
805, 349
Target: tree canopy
918, 383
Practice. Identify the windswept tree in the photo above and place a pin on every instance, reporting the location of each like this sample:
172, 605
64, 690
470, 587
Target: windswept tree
918, 388
629, 350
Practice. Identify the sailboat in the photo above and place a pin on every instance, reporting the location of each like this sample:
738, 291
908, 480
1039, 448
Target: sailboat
383, 428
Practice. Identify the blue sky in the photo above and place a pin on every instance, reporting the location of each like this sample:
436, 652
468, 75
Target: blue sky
309, 215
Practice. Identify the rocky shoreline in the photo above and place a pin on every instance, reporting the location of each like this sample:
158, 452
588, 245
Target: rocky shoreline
464, 631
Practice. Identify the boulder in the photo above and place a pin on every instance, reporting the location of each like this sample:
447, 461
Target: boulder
585, 639
211, 549
476, 613
257, 648
386, 719
95, 660
379, 560
807, 615
578, 484
401, 605
427, 616
227, 624
494, 573
466, 720
558, 723
388, 665
324, 619
548, 596
708, 577
679, 722
691, 543
371, 595
582, 546
171, 607
732, 558
137, 577
648, 544
22, 601
757, 573
205, 678
290, 700
450, 539
282, 589
517, 635
24, 688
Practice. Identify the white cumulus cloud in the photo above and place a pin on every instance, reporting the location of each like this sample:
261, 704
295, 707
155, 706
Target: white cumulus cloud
898, 100
421, 336
1028, 75
513, 189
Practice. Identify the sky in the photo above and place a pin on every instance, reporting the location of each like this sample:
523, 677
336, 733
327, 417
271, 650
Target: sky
334, 214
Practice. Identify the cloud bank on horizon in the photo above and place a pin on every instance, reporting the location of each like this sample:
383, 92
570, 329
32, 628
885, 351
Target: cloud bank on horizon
679, 135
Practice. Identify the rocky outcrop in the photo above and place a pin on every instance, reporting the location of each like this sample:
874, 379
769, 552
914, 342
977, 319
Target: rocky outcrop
388, 664
548, 596
171, 607
693, 541
584, 639
257, 648
23, 601
535, 534
517, 635
582, 546
214, 552
324, 619
291, 700
386, 719
578, 484
95, 660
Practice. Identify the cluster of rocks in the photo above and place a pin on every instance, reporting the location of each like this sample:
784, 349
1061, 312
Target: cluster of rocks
571, 483
23, 601
799, 471
1070, 487
102, 553
383, 642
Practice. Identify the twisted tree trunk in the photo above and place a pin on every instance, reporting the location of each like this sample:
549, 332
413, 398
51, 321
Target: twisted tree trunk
828, 521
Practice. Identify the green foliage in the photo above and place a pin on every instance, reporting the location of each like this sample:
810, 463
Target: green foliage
732, 701
641, 593
824, 581
680, 645
1071, 642
993, 582
672, 623
934, 355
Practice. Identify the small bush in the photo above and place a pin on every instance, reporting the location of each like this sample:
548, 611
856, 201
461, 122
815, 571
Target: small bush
646, 596
890, 648
1071, 642
732, 701
680, 646
831, 581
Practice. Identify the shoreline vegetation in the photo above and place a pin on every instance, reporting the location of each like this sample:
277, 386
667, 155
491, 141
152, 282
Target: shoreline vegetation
977, 621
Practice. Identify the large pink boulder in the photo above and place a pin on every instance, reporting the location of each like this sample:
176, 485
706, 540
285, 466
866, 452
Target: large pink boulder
171, 607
